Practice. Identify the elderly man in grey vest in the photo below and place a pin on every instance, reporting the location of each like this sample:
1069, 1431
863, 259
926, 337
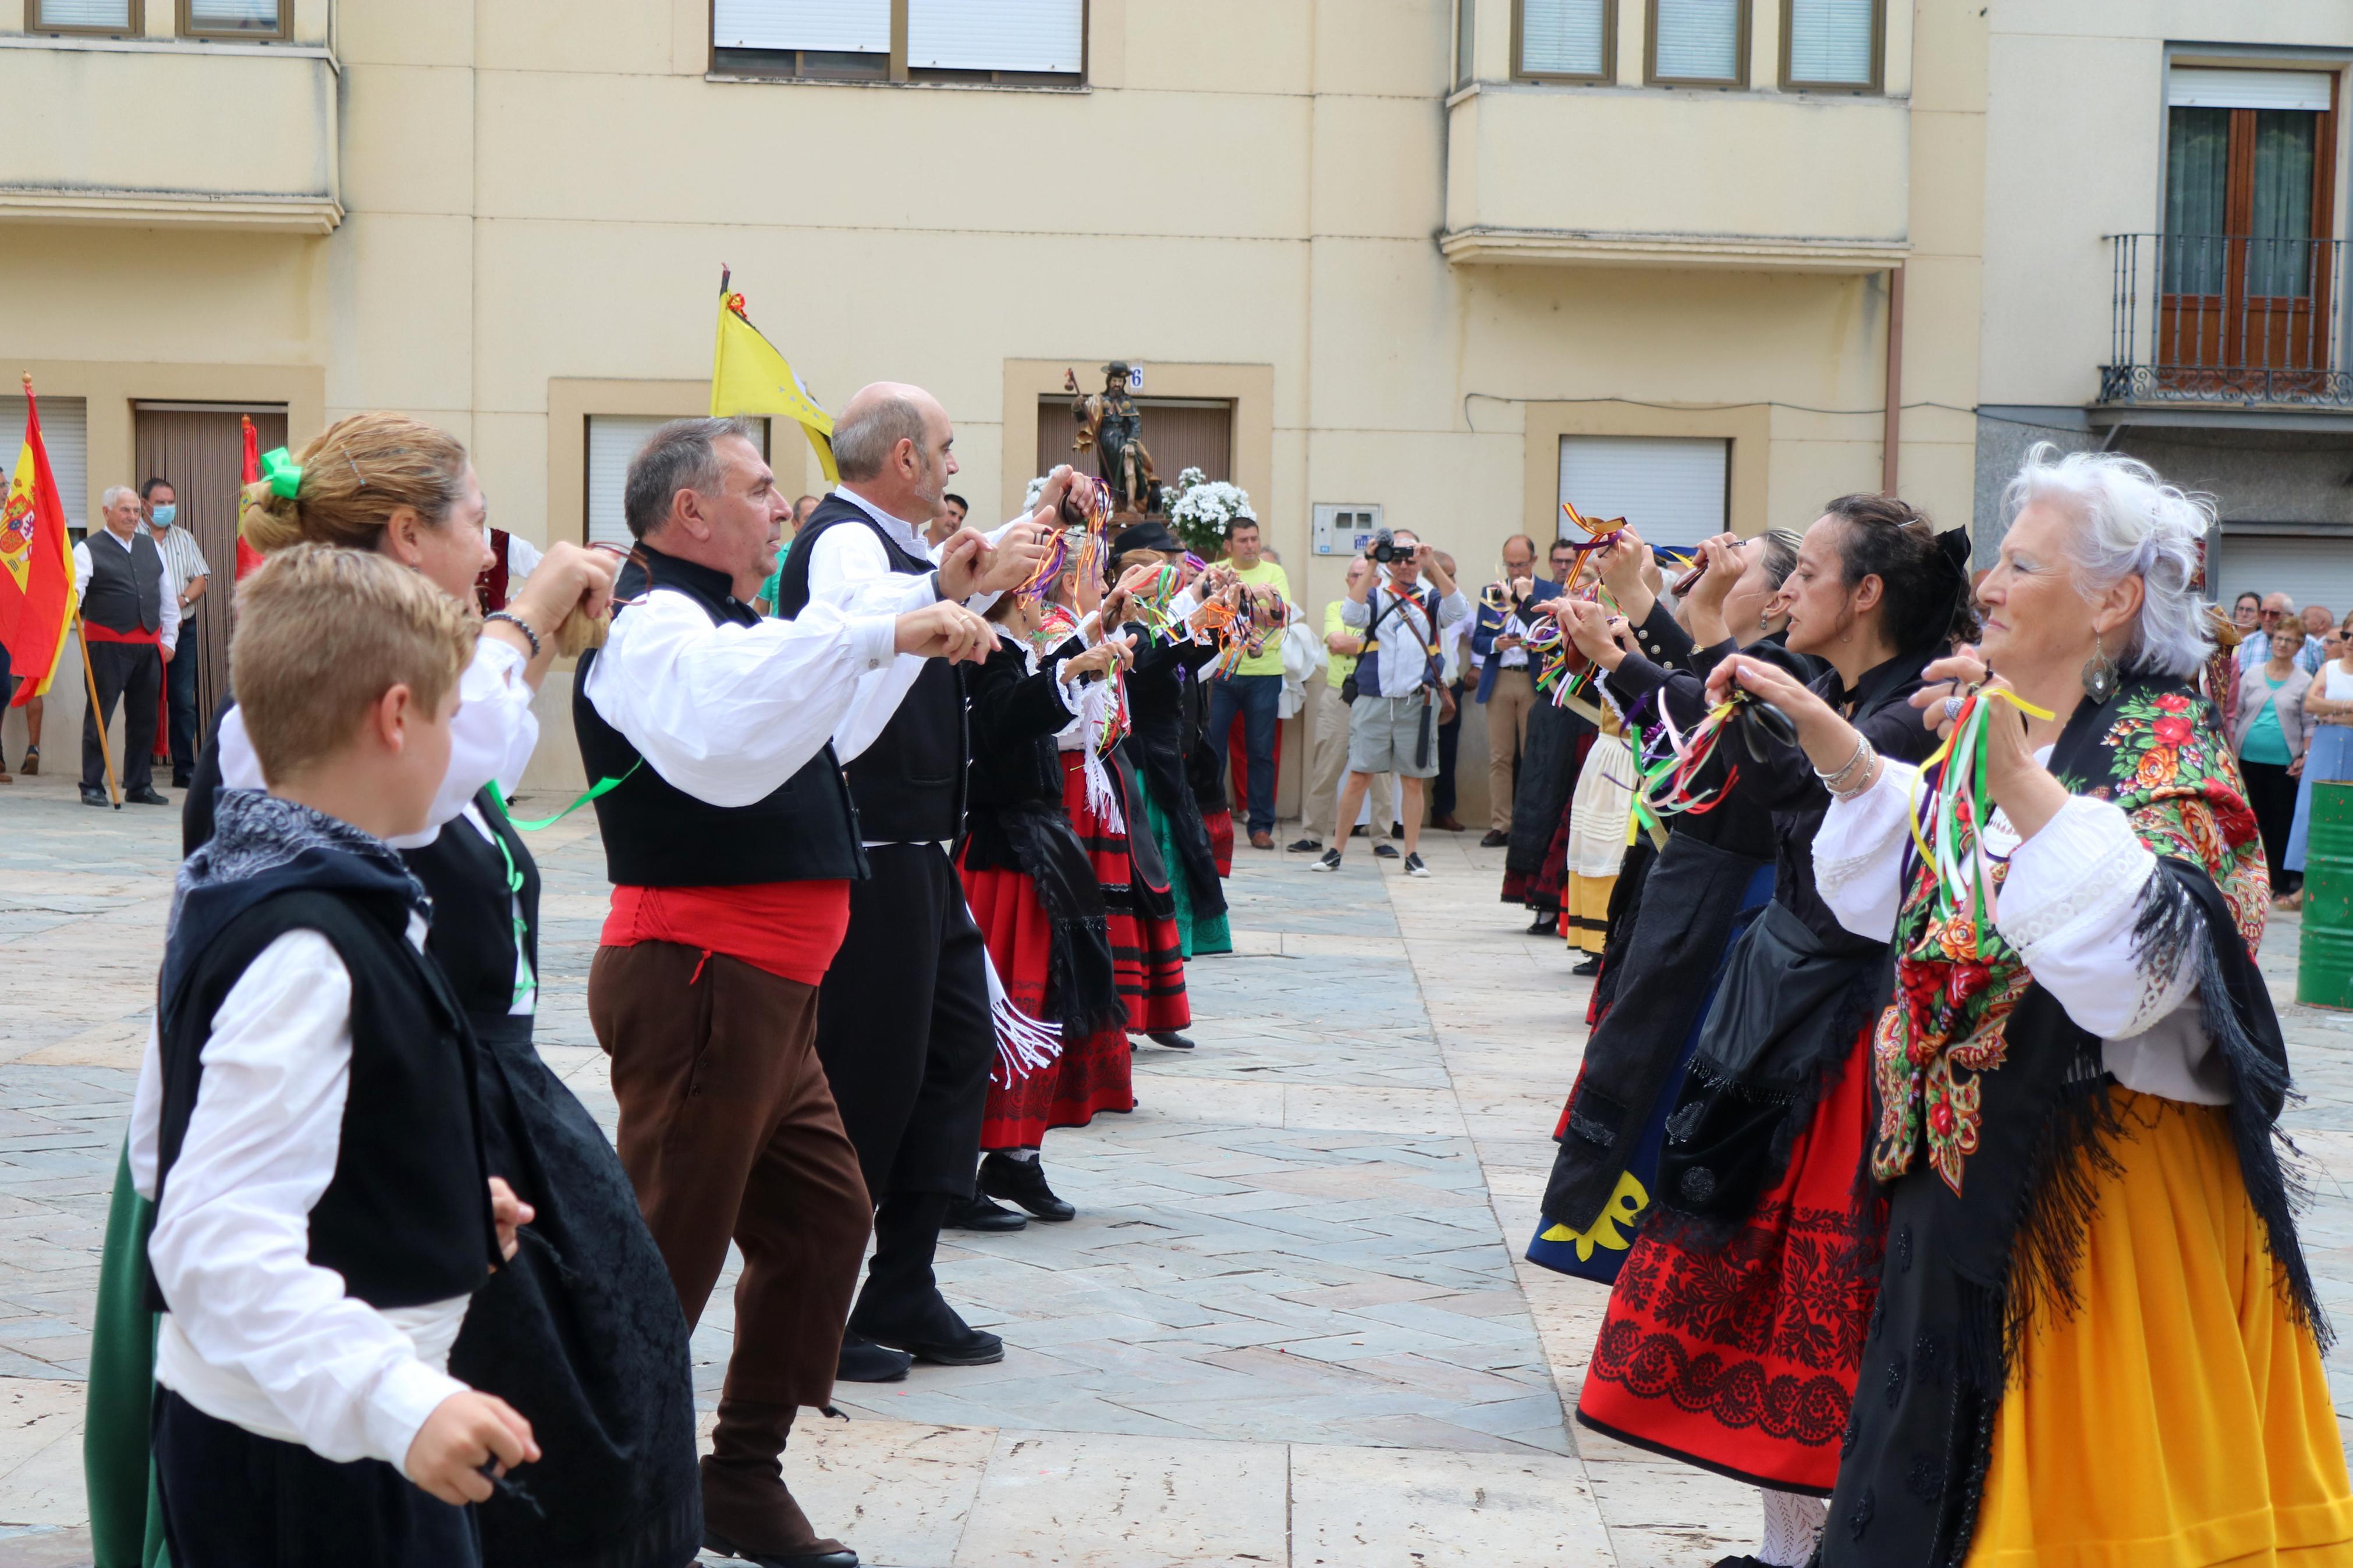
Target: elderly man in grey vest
130, 624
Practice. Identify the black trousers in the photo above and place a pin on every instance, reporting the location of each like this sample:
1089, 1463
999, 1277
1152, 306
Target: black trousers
903, 1027
2271, 795
131, 674
180, 700
235, 1500
1450, 746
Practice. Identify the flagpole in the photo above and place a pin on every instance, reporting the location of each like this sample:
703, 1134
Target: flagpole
97, 714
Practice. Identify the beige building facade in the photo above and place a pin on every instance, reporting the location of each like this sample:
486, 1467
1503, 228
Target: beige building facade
1456, 260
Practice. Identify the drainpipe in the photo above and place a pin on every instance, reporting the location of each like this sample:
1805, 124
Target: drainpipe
1892, 434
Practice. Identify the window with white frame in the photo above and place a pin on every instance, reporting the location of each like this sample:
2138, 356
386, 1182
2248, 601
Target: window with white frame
1702, 43
1565, 41
1672, 490
614, 440
1835, 45
1039, 42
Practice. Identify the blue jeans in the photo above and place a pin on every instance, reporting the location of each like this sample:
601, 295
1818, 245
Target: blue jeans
1257, 698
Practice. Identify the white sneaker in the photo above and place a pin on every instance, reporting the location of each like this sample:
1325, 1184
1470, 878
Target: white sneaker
1328, 861
1414, 867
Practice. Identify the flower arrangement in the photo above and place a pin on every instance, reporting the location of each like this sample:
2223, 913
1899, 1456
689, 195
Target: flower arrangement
1201, 510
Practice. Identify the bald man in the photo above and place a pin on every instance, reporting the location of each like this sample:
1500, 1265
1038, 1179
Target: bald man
903, 1023
2279, 610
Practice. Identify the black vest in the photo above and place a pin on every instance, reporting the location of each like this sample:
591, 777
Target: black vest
910, 783
473, 937
406, 1219
657, 835
126, 586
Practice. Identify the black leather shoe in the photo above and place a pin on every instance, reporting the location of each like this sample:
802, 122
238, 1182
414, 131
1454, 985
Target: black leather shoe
1396, 830
863, 1361
948, 1341
976, 1213
1306, 846
1545, 925
845, 1558
1172, 1039
1592, 966
147, 798
94, 797
1491, 839
180, 780
1023, 1181
1386, 851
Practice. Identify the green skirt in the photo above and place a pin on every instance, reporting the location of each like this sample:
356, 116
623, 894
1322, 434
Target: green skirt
126, 1516
1213, 934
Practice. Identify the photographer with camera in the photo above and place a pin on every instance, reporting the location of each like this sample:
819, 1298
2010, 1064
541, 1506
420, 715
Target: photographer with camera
1392, 695
1508, 687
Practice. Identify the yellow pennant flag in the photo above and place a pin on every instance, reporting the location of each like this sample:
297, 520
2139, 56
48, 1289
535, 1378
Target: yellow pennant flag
749, 376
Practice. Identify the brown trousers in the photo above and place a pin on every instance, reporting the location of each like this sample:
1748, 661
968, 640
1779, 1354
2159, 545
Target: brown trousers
729, 1131
1508, 707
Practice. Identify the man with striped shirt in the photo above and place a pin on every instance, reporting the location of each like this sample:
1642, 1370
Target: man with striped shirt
186, 576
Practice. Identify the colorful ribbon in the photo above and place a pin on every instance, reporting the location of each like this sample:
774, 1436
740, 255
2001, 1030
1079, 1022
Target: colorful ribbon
1949, 834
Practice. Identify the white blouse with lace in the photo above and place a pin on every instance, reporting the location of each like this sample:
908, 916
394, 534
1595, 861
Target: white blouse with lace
2068, 905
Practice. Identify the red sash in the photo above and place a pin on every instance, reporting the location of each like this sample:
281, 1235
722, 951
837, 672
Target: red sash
92, 632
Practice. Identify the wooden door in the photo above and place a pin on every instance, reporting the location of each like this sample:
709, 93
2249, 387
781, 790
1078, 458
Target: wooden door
199, 449
2245, 265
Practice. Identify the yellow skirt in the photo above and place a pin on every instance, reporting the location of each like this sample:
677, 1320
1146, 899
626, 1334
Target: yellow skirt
1586, 901
2178, 1419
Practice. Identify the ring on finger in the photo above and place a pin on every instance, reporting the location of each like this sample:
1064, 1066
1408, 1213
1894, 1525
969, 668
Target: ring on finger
1952, 708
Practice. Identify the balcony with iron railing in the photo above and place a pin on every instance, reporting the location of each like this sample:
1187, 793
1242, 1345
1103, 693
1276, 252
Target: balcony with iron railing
2219, 319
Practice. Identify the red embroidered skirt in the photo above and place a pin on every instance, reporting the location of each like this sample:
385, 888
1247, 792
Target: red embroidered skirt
1743, 1360
1093, 1073
1147, 955
1220, 824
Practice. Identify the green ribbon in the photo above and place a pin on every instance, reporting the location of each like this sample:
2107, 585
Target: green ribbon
284, 475
596, 791
526, 981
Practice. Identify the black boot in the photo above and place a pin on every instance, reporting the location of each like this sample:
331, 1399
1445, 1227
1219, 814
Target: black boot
900, 1305
747, 1510
976, 1213
1023, 1181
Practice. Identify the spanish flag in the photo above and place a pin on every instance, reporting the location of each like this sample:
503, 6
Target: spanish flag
248, 557
37, 574
749, 376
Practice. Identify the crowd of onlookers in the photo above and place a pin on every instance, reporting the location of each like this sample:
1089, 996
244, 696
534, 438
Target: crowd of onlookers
2291, 721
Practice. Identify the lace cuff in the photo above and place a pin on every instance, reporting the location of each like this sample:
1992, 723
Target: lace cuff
2083, 870
1858, 853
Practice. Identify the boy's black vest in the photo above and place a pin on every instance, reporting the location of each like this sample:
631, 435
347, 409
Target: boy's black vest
910, 783
473, 937
406, 1219
657, 835
126, 586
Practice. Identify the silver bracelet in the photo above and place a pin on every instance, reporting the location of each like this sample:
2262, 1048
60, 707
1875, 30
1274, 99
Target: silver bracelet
519, 624
1832, 780
1870, 777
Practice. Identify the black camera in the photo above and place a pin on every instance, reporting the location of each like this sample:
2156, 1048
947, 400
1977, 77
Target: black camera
1385, 548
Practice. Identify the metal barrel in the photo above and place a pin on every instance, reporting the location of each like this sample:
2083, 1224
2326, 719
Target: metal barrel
2324, 976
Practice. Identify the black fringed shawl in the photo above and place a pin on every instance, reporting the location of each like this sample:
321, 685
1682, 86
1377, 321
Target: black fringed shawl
1996, 1125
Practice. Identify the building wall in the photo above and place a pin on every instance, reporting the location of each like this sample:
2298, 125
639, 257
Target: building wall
1254, 200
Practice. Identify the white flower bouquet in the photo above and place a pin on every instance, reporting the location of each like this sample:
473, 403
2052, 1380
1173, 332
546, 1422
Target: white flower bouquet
1203, 510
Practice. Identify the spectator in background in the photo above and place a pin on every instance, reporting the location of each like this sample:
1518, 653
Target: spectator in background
1562, 562
2327, 751
1254, 688
2269, 732
1454, 639
1507, 686
1327, 733
765, 602
2318, 621
186, 577
2247, 613
953, 509
129, 615
2279, 609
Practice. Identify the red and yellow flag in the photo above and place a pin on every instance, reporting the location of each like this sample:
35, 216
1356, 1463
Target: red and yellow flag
248, 557
36, 572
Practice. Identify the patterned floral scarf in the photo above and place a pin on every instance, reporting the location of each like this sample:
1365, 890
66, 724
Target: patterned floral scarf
2155, 749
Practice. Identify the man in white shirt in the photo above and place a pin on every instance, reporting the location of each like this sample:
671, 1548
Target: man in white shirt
904, 1018
130, 624
184, 559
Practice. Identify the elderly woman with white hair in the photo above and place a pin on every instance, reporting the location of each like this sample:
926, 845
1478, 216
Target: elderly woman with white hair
2096, 1339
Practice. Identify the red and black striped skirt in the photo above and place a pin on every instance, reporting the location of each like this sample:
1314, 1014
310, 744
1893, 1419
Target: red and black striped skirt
1146, 953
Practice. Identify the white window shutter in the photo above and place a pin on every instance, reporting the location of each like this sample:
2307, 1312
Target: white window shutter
613, 440
833, 27
241, 15
114, 13
65, 435
996, 34
1670, 490
1561, 38
1830, 41
1699, 40
2194, 86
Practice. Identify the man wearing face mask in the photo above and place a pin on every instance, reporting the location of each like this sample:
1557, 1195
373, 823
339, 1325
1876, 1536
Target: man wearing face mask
187, 577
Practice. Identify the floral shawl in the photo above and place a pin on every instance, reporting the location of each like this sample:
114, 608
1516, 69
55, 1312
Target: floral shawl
2157, 751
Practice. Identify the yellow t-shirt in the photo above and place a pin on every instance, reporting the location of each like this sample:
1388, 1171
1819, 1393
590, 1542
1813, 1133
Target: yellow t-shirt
1343, 665
1264, 573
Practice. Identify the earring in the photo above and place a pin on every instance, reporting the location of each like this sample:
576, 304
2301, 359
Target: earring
2100, 676
1763, 622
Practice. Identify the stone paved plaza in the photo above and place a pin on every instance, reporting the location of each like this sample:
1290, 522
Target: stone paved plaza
1290, 1325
